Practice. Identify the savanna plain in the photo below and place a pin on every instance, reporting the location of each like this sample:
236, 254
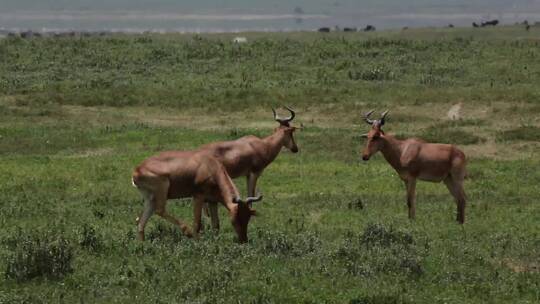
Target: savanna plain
78, 114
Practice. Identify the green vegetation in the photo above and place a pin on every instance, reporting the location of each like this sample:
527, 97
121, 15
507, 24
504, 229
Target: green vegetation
523, 133
78, 114
38, 256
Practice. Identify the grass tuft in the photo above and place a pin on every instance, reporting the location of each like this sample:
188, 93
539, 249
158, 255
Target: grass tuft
380, 249
280, 243
37, 255
450, 133
89, 238
525, 133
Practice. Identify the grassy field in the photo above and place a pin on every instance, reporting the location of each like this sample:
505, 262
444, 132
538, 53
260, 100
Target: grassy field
78, 114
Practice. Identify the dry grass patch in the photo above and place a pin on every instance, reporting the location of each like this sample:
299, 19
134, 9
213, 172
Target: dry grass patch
522, 133
519, 266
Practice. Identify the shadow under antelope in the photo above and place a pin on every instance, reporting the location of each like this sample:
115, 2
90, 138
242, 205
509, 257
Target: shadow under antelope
414, 159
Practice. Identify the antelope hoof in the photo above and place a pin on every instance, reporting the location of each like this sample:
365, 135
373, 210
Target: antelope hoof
140, 236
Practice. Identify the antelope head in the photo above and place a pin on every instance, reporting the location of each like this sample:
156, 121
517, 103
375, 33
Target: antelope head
241, 216
287, 129
374, 136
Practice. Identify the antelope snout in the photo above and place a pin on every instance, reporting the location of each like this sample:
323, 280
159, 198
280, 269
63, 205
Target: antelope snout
365, 157
294, 150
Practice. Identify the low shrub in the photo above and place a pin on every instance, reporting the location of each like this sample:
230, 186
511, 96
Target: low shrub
379, 250
449, 135
280, 243
378, 299
34, 255
379, 235
524, 133
372, 74
89, 238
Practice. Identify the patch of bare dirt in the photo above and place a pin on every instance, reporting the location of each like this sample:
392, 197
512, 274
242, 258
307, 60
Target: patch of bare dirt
91, 153
521, 266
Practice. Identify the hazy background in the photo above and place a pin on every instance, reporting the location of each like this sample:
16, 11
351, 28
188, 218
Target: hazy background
241, 15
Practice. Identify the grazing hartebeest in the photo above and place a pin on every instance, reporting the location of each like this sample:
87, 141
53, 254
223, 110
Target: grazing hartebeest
178, 174
249, 155
415, 159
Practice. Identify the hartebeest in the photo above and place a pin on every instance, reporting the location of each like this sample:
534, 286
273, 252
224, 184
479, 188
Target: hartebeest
249, 155
178, 174
416, 159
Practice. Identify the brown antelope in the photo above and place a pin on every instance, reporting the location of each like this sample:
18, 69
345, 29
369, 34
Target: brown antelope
178, 174
414, 159
249, 155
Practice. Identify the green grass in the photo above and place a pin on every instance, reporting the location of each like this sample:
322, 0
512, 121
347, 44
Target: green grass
523, 133
77, 115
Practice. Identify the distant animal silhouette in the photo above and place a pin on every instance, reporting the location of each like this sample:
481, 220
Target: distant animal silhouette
27, 34
324, 30
369, 28
493, 22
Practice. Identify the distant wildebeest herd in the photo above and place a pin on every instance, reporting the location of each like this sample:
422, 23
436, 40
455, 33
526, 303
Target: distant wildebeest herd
493, 22
206, 173
25, 34
371, 28
368, 28
57, 34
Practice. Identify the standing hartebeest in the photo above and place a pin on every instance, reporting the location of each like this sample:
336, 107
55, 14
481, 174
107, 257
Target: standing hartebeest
178, 174
415, 159
249, 155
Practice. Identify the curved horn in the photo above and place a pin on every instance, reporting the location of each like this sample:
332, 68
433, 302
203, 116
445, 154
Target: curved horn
383, 115
249, 200
284, 120
253, 199
275, 114
292, 114
366, 117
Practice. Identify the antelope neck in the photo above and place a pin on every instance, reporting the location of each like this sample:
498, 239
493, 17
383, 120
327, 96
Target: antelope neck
273, 143
391, 150
228, 190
